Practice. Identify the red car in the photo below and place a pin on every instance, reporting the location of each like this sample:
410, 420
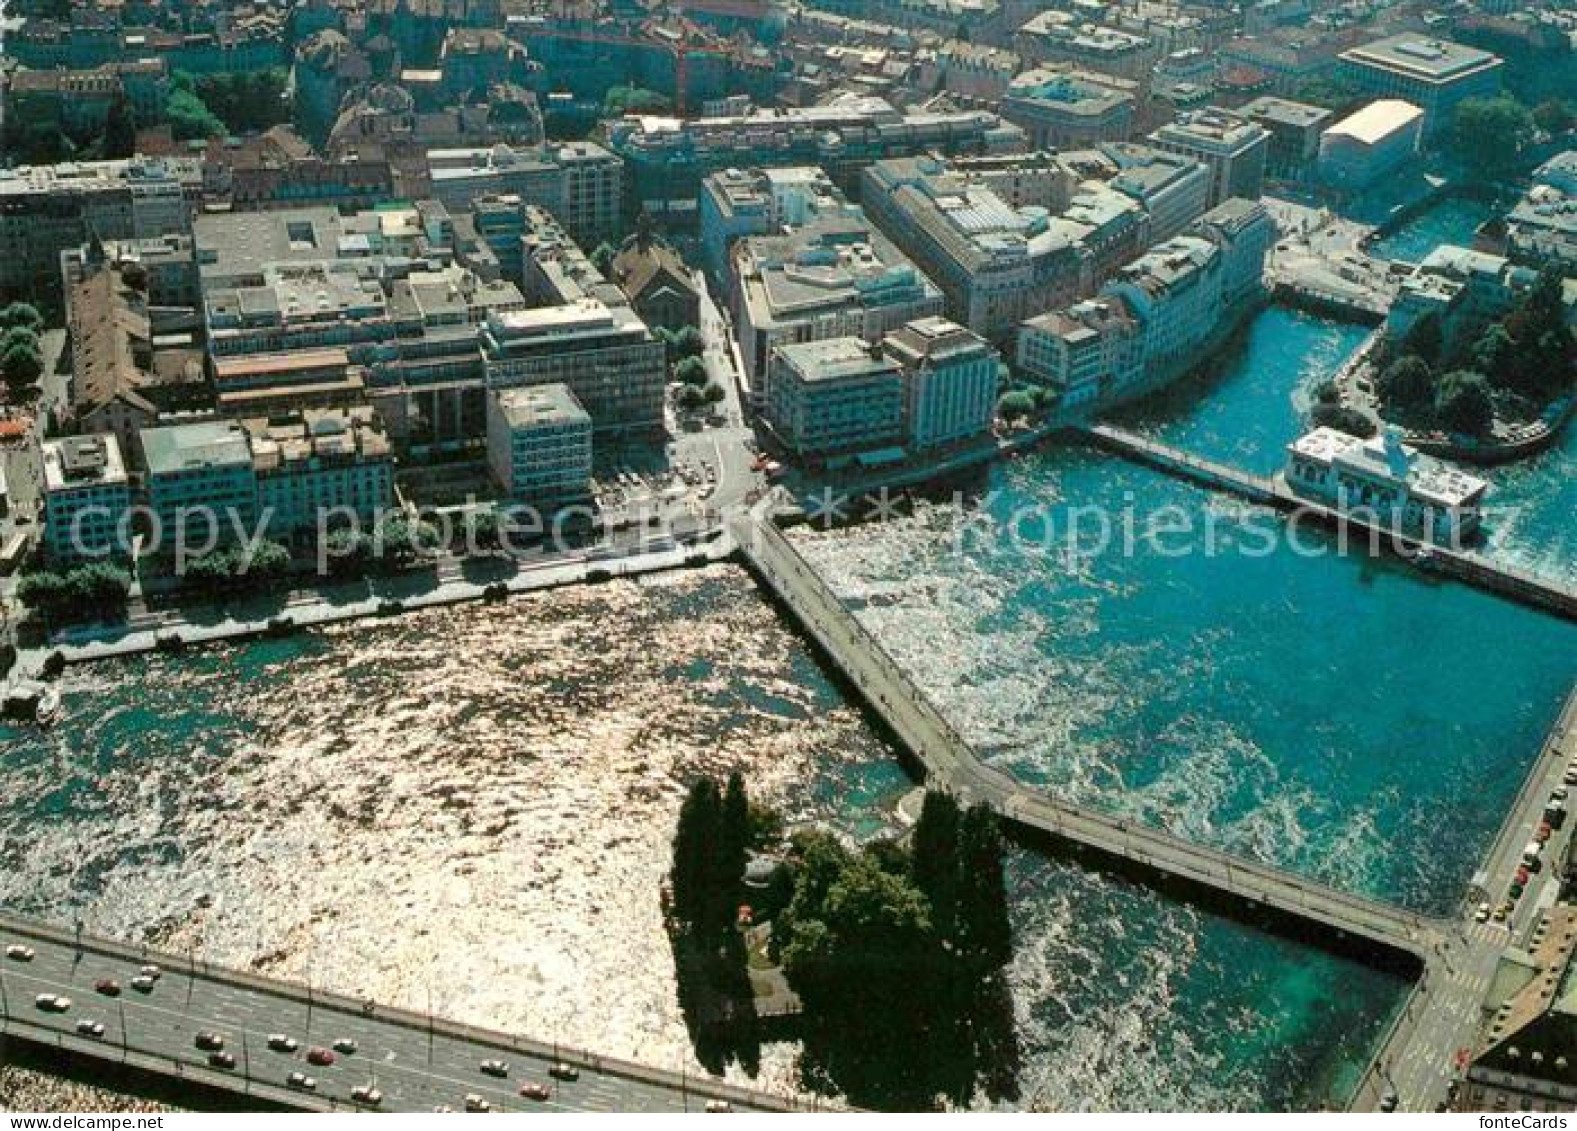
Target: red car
109, 987
322, 1058
535, 1091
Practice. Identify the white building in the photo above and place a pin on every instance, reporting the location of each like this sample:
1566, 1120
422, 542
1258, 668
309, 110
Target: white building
201, 483
835, 398
539, 445
950, 382
320, 467
1403, 490
86, 499
1369, 143
1234, 149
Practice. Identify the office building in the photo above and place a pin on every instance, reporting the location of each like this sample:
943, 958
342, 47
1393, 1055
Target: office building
1068, 109
1232, 148
833, 399
319, 469
950, 382
581, 183
1174, 190
1064, 37
1435, 75
1294, 129
1369, 143
539, 445
201, 485
87, 499
758, 202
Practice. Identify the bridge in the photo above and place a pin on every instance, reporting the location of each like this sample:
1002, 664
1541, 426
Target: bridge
1548, 594
950, 763
417, 1062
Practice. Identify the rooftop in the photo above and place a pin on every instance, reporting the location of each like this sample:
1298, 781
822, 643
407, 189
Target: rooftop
1285, 112
1377, 121
82, 461
1420, 57
179, 448
836, 359
540, 405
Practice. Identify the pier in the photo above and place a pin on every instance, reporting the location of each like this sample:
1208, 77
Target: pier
417, 1062
1545, 593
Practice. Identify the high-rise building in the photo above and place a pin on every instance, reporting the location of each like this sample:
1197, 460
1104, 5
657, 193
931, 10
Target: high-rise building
87, 499
1232, 148
950, 382
835, 398
539, 445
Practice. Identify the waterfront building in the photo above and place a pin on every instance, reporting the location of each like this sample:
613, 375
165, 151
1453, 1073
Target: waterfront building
837, 276
1435, 75
1174, 190
1294, 129
1406, 490
1232, 148
46, 209
87, 498
950, 382
539, 445
1542, 228
758, 202
831, 400
200, 482
320, 467
1464, 290
581, 183
1068, 109
1369, 143
1081, 351
668, 157
1063, 37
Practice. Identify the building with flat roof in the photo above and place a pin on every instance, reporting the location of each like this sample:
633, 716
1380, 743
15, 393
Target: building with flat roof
1542, 228
837, 276
758, 202
1435, 75
1463, 289
1065, 37
838, 397
1062, 109
950, 382
581, 183
1369, 143
1233, 148
1294, 129
201, 484
320, 468
539, 445
1174, 190
87, 499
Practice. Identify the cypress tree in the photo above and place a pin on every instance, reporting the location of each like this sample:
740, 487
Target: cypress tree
733, 834
987, 933
936, 860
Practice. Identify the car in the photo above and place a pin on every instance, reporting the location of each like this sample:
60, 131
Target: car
1500, 913
151, 971
345, 1046
90, 1028
143, 984
475, 1103
52, 1003
535, 1091
221, 1059
443, 1109
1482, 914
281, 1043
16, 952
366, 1095
322, 1058
301, 1082
495, 1068
109, 987
719, 1105
562, 1071
209, 1042
1388, 1101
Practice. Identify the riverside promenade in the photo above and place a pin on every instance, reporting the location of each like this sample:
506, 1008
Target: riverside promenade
1545, 593
416, 1062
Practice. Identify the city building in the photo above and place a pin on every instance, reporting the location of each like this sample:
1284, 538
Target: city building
1294, 129
837, 276
831, 400
1174, 190
87, 499
1369, 143
1232, 148
950, 382
759, 202
1063, 37
581, 183
656, 280
201, 485
1068, 109
1542, 228
539, 445
1435, 75
320, 468
1382, 475
1464, 290
45, 210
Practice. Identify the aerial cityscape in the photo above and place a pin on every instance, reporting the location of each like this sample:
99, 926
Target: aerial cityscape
788, 555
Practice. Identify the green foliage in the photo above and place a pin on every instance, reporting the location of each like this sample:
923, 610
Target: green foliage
190, 118
686, 342
1426, 340
90, 592
1327, 393
1539, 361
20, 365
22, 314
1329, 91
711, 843
235, 567
634, 100
1463, 403
1555, 115
1490, 133
1016, 405
120, 131
691, 397
1406, 386
690, 370
602, 257
1343, 419
245, 101
713, 393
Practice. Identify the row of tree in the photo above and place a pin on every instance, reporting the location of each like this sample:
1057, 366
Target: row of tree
95, 591
21, 358
238, 565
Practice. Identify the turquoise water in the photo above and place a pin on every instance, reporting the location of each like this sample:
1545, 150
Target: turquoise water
1453, 220
1532, 518
1331, 714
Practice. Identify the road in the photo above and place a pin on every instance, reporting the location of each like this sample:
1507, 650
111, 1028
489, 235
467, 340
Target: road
417, 1063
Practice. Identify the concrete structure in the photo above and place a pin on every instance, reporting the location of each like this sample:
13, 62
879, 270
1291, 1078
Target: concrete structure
87, 498
581, 183
539, 445
1232, 148
758, 202
1433, 74
1068, 109
45, 210
1463, 289
319, 469
1382, 475
201, 484
1369, 143
835, 398
950, 382
1294, 129
1174, 190
835, 277
1542, 228
1063, 37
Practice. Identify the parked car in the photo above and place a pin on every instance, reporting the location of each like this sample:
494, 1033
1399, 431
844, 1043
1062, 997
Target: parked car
143, 984
562, 1071
535, 1091
281, 1043
1482, 914
16, 952
475, 1103
345, 1046
89, 1028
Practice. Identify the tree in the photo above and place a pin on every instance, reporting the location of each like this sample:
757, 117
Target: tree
687, 342
713, 393
733, 837
690, 370
120, 130
22, 314
691, 398
1463, 403
1543, 356
1406, 386
602, 257
1490, 132
1425, 340
1327, 393
1016, 405
1343, 419
21, 366
1555, 116
694, 848
634, 100
270, 561
18, 336
190, 118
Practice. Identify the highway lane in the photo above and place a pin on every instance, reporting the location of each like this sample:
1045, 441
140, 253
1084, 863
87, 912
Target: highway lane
416, 1068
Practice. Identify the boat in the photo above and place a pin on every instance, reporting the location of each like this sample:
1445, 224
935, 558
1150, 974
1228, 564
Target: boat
47, 709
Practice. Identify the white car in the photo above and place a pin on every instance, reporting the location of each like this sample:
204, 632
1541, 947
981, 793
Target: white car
19, 953
1482, 914
281, 1043
301, 1082
475, 1103
94, 1029
143, 984
366, 1095
52, 1003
